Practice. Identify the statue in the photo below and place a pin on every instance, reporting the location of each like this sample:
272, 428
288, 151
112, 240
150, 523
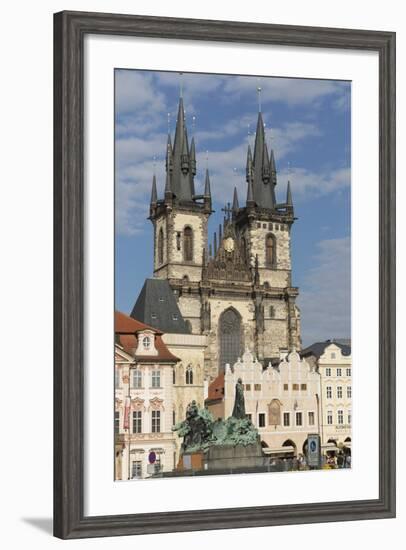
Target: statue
196, 429
239, 403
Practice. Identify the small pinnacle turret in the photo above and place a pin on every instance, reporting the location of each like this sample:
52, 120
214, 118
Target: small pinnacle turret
289, 200
235, 201
154, 195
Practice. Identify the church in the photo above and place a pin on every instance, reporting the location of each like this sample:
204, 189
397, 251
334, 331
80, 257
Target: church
235, 288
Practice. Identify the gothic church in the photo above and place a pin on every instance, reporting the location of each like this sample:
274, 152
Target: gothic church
237, 289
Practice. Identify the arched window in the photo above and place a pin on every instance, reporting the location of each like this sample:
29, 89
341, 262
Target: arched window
274, 412
189, 375
270, 250
188, 244
230, 337
271, 312
161, 246
173, 376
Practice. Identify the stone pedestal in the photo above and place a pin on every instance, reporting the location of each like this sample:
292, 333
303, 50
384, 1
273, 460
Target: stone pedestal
234, 457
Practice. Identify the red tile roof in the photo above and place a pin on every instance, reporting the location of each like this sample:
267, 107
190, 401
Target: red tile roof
126, 330
216, 388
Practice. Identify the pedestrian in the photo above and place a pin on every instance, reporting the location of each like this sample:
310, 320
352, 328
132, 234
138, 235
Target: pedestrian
340, 460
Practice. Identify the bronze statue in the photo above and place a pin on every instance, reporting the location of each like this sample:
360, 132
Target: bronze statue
239, 403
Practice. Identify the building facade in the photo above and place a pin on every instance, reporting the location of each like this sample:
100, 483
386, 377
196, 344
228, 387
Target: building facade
282, 401
144, 401
333, 361
236, 290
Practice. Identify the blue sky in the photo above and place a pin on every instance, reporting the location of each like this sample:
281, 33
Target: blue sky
308, 124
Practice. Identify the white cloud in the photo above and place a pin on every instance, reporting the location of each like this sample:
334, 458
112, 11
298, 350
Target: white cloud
286, 90
325, 296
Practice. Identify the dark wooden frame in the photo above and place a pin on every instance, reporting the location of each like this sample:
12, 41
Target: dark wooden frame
69, 31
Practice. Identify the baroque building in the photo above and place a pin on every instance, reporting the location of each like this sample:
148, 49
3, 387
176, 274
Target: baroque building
333, 361
237, 289
144, 401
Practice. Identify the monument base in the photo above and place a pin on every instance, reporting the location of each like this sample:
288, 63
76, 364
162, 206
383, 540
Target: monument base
234, 457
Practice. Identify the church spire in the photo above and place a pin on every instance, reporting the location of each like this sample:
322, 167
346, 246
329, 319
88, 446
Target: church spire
235, 201
289, 200
154, 195
183, 161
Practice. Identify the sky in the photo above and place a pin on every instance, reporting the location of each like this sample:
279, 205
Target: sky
308, 124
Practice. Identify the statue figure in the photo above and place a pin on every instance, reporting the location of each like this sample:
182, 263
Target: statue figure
239, 403
196, 428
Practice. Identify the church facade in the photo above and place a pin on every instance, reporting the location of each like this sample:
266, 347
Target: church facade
236, 288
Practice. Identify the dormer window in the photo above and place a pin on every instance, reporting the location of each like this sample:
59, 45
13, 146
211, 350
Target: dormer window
146, 342
175, 317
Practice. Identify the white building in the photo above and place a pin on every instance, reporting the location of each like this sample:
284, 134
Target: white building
282, 401
144, 401
333, 361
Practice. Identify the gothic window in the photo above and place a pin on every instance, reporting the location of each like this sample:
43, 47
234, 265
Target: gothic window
161, 246
230, 338
188, 244
272, 312
189, 375
178, 238
270, 250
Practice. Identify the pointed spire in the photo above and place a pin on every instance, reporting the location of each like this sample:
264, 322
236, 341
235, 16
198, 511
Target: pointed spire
169, 154
168, 188
250, 195
193, 156
154, 195
289, 200
249, 171
261, 169
207, 192
220, 234
272, 168
215, 243
182, 176
235, 201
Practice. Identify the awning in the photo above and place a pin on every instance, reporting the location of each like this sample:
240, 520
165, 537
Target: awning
278, 450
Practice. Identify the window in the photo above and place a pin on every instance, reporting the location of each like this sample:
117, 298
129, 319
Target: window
257, 387
311, 418
188, 244
156, 421
286, 419
154, 316
116, 421
258, 225
349, 417
329, 393
299, 419
271, 226
117, 377
178, 237
137, 422
295, 387
338, 372
248, 387
285, 387
333, 355
174, 316
173, 376
161, 246
173, 417
348, 372
156, 378
349, 392
328, 371
270, 250
339, 392
303, 387
249, 417
340, 417
189, 375
146, 342
136, 469
137, 378
272, 312
261, 420
329, 418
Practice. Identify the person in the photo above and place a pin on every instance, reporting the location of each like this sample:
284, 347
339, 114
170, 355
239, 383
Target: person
340, 460
348, 461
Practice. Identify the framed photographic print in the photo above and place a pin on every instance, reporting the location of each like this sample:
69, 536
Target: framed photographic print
224, 275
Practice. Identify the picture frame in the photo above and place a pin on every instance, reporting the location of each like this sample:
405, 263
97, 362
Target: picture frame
70, 28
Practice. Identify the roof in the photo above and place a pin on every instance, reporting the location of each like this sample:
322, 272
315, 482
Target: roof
317, 349
126, 330
156, 306
216, 388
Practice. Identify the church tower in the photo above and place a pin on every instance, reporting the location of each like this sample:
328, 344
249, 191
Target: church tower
180, 218
237, 290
